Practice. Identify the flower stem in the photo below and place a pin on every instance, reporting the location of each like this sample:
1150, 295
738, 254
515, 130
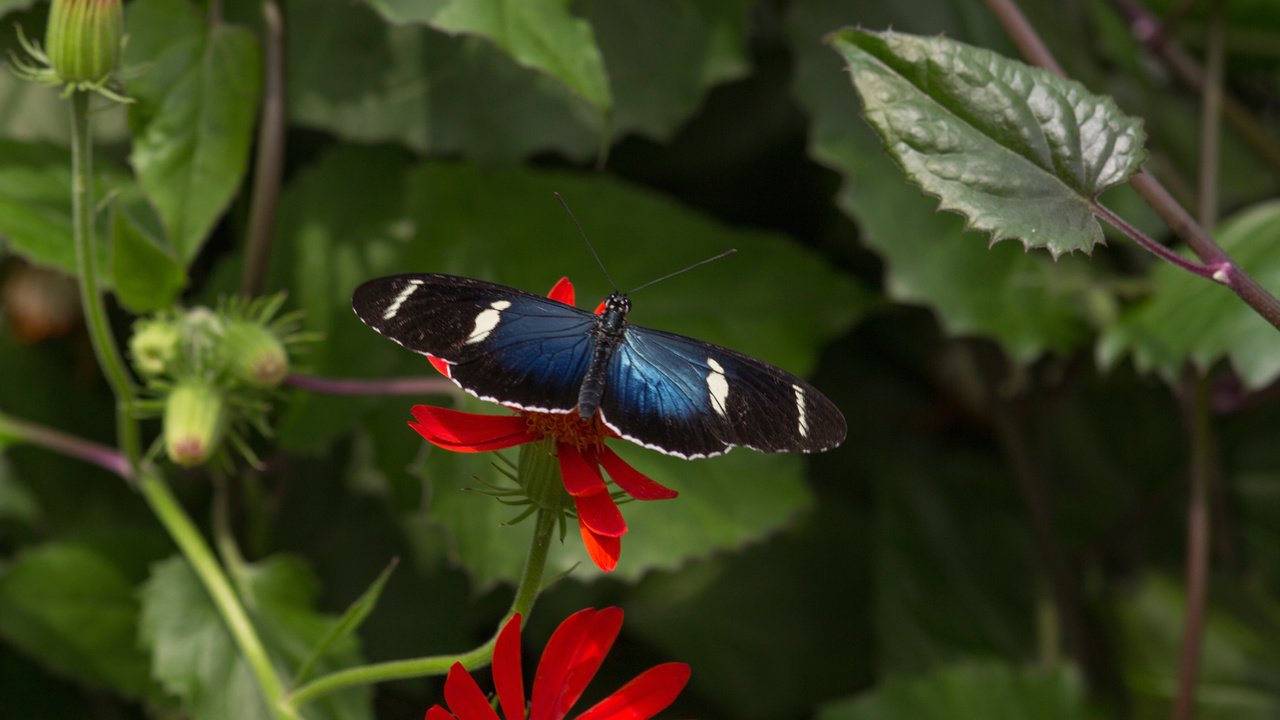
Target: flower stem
104, 343
526, 593
206, 567
151, 484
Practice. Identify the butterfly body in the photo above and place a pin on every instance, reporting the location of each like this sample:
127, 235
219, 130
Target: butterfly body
672, 393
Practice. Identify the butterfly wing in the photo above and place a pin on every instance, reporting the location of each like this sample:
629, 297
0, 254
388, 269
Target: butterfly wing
689, 398
501, 344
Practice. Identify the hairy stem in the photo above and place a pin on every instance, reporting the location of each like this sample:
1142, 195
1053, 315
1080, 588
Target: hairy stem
526, 593
95, 313
151, 484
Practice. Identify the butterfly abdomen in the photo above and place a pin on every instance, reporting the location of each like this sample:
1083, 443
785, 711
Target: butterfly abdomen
609, 330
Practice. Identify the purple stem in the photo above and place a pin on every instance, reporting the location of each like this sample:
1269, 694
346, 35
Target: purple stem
353, 386
104, 457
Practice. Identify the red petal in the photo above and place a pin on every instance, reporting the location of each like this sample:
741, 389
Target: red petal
562, 291
600, 514
508, 681
464, 696
441, 366
581, 474
572, 656
599, 308
604, 550
469, 432
632, 481
438, 713
645, 696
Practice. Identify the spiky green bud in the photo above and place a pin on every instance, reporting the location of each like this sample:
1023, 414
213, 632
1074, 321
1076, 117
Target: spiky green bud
154, 346
254, 355
83, 39
195, 421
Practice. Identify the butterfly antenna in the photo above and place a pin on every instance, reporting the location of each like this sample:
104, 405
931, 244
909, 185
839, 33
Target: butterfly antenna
681, 271
587, 240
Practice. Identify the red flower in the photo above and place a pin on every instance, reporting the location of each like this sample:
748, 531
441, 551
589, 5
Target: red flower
580, 450
570, 660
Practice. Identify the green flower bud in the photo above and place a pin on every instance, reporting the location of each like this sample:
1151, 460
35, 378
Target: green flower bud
83, 39
254, 355
154, 346
195, 419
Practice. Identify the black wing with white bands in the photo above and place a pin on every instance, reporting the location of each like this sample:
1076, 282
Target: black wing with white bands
502, 344
692, 399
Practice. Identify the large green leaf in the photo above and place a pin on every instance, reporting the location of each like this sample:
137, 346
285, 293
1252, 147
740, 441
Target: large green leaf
1239, 660
197, 92
194, 657
77, 613
974, 690
663, 55
362, 78
1019, 152
355, 75
507, 226
1024, 301
1190, 319
540, 34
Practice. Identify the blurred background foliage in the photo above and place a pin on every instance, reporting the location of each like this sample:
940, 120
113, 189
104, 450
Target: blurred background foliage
1002, 535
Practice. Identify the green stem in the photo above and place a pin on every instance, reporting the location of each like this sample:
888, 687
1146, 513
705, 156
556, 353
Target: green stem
526, 593
152, 486
206, 567
95, 313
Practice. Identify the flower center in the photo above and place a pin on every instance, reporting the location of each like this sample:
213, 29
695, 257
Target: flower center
568, 428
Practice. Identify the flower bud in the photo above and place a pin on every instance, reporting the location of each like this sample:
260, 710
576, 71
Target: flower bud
83, 39
195, 419
254, 355
154, 346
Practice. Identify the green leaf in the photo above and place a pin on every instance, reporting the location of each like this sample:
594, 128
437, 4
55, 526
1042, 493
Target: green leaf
197, 92
1024, 301
973, 690
146, 277
540, 34
663, 56
1190, 319
66, 605
356, 76
194, 657
1019, 152
1239, 659
348, 623
35, 202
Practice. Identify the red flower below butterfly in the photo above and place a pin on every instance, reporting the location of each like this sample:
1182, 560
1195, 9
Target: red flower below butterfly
572, 656
580, 450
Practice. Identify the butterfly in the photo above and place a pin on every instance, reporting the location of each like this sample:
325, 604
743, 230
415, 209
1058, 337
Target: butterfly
671, 393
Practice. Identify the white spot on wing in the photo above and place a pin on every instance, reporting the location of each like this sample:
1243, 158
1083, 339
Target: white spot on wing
487, 320
717, 387
802, 420
394, 307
